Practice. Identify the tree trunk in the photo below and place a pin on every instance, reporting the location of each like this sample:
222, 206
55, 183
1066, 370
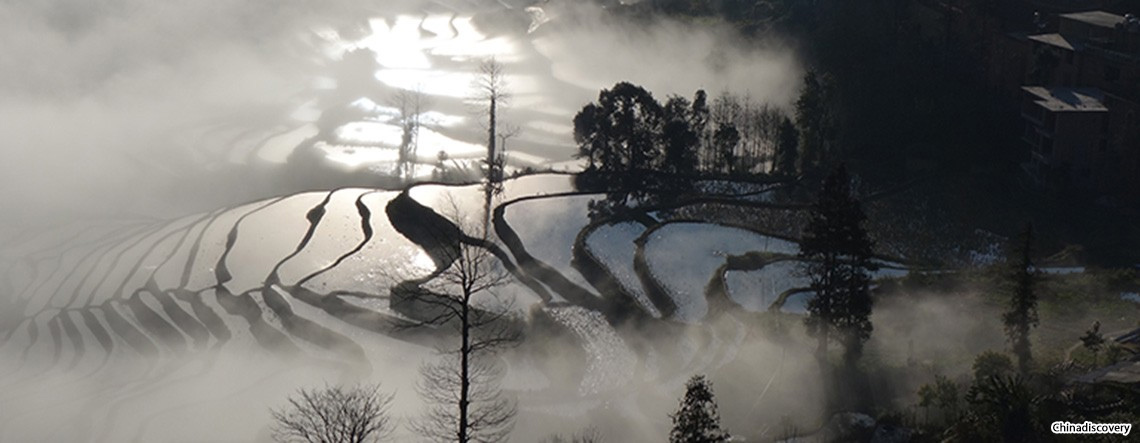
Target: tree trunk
491, 163
464, 375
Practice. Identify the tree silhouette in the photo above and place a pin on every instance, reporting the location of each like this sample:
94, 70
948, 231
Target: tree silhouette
727, 118
787, 148
700, 123
837, 255
679, 138
411, 105
817, 121
462, 391
635, 119
697, 420
334, 415
991, 364
491, 92
632, 142
1021, 316
725, 140
1003, 409
592, 140
943, 395
619, 133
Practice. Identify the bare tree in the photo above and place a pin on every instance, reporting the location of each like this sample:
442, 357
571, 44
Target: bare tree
411, 104
335, 415
726, 124
757, 129
490, 94
462, 388
464, 405
508, 132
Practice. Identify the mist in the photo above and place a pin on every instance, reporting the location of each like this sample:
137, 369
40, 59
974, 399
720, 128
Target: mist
116, 107
210, 205
125, 110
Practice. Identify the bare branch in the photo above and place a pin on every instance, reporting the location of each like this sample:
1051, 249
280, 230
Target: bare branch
491, 82
335, 415
464, 401
490, 414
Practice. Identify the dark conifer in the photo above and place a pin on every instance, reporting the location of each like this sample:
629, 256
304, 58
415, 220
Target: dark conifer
1021, 316
787, 148
697, 420
836, 251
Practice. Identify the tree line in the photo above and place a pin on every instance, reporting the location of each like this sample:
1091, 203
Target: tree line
630, 140
628, 131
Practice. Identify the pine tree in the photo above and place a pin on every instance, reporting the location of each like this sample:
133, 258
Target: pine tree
816, 121
1021, 316
837, 255
787, 145
697, 420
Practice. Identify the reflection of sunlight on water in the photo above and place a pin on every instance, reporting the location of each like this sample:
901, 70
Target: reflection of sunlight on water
428, 81
396, 46
361, 143
431, 143
524, 160
421, 261
470, 43
438, 56
441, 120
367, 105
405, 48
277, 148
355, 156
388, 113
369, 133
440, 25
403, 53
401, 45
452, 84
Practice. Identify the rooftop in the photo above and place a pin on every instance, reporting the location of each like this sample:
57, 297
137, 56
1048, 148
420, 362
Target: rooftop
1058, 40
1095, 18
1068, 99
1126, 373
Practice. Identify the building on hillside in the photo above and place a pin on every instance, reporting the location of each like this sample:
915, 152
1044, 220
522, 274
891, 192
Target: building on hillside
1073, 69
1085, 79
1065, 129
1093, 48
